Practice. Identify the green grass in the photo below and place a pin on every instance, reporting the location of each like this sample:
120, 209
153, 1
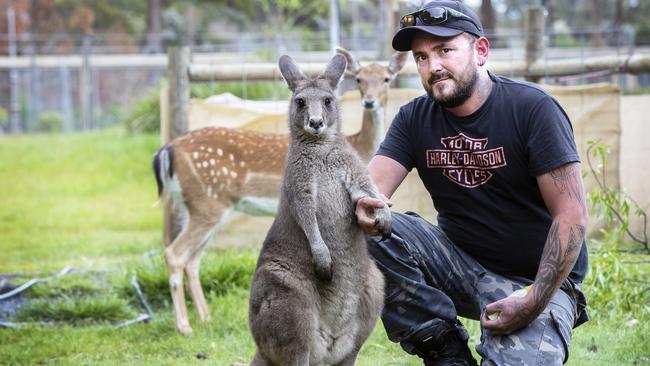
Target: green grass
81, 199
85, 200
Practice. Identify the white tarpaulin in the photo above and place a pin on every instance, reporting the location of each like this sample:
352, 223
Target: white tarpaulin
595, 112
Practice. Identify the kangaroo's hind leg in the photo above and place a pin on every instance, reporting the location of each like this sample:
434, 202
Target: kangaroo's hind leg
282, 317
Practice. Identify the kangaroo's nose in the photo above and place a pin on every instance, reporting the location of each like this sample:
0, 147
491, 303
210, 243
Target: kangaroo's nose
316, 122
368, 103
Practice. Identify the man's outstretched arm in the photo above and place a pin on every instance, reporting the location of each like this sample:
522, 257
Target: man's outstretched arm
563, 193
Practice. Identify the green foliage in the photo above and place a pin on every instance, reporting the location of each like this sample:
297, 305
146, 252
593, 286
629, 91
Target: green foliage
144, 114
255, 90
4, 118
50, 121
613, 287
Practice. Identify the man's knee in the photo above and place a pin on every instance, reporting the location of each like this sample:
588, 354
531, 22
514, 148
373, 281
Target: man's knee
544, 342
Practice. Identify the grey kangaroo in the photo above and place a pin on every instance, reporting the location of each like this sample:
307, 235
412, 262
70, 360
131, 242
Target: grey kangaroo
316, 293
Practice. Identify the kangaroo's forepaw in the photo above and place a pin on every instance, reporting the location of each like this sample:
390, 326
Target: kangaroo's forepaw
324, 271
384, 222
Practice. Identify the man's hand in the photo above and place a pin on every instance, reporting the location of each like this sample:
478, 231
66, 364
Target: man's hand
512, 313
365, 211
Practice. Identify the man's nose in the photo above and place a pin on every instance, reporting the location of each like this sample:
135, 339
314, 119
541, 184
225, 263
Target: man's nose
434, 64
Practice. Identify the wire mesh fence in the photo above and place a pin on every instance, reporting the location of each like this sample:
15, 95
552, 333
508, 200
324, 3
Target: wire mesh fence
87, 82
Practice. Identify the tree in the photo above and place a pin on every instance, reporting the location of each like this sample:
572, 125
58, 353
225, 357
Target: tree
488, 17
154, 27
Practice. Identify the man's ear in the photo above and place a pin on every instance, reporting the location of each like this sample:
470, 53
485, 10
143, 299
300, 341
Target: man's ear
482, 49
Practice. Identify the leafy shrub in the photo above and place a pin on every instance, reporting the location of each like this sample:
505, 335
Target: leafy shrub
144, 114
4, 119
613, 287
50, 121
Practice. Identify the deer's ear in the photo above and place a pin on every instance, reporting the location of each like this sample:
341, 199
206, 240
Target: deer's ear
353, 64
290, 71
397, 62
334, 70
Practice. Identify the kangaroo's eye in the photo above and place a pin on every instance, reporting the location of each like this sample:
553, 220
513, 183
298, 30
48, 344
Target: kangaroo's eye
300, 102
328, 101
386, 80
358, 80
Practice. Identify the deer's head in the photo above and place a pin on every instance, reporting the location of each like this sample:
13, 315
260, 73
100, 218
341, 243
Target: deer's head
313, 107
374, 79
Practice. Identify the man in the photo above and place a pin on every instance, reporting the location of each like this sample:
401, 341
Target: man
499, 160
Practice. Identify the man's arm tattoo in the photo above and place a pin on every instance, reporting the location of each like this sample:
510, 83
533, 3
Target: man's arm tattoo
556, 263
566, 180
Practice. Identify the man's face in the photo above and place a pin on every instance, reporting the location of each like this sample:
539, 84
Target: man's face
447, 67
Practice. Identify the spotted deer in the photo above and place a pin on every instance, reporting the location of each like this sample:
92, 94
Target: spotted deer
211, 172
316, 293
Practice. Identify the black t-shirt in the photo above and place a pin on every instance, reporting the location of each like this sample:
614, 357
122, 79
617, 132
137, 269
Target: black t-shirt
480, 171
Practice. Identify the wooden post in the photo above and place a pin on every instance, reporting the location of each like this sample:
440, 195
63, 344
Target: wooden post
392, 21
176, 115
179, 89
534, 27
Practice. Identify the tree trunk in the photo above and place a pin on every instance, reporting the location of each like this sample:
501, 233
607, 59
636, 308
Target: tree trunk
154, 16
488, 17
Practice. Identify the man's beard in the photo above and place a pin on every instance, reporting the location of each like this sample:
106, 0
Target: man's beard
461, 90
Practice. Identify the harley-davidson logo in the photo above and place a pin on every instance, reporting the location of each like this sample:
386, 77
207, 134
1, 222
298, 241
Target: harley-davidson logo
465, 161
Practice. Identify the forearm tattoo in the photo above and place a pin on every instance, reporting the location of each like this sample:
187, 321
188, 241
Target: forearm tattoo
557, 260
567, 179
563, 242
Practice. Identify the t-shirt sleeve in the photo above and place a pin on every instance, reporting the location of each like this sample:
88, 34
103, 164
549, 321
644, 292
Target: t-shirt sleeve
397, 143
551, 143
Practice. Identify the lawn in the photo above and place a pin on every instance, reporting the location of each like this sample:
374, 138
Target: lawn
87, 201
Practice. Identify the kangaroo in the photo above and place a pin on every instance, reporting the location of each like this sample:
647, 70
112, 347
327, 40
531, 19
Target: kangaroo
316, 293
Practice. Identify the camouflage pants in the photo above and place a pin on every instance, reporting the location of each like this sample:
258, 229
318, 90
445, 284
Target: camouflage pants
428, 277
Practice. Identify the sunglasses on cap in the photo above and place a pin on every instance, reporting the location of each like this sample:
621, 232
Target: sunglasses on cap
434, 15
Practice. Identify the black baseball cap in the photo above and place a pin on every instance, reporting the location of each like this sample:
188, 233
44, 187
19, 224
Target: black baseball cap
442, 18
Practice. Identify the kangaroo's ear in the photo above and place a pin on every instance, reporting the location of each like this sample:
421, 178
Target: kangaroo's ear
334, 70
353, 64
397, 62
290, 71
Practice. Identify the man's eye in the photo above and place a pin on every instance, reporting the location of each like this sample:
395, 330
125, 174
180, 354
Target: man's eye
446, 50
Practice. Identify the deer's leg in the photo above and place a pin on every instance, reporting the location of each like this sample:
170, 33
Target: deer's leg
177, 256
194, 282
194, 264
